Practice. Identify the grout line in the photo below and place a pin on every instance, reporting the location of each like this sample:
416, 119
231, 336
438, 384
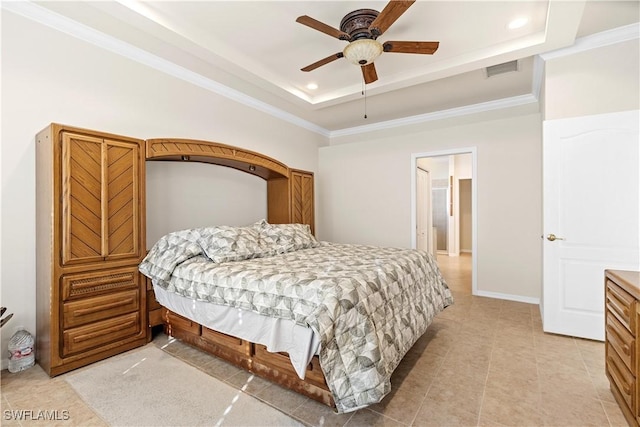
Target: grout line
486, 380
541, 412
438, 370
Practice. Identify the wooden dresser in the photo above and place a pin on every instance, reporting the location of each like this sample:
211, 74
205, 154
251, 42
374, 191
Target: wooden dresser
622, 346
90, 238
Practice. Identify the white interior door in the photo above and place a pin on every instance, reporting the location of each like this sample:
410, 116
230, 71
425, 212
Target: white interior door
423, 214
591, 216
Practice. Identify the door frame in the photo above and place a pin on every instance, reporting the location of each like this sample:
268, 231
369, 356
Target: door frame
428, 209
474, 202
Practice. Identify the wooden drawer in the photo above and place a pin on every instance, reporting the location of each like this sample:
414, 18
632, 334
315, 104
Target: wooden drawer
87, 310
75, 286
622, 378
282, 363
98, 334
182, 323
155, 317
621, 305
218, 338
619, 338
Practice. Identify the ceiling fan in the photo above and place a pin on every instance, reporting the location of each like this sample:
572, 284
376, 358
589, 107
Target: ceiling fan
361, 28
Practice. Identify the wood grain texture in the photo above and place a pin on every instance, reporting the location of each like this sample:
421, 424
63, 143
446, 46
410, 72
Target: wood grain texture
215, 153
252, 357
302, 198
91, 301
622, 346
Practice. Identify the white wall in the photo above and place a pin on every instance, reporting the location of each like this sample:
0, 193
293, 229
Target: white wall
49, 77
237, 198
365, 194
596, 81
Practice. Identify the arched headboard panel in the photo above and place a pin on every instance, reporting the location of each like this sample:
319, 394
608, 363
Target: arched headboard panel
218, 154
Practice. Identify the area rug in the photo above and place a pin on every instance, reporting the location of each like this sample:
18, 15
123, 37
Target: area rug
148, 387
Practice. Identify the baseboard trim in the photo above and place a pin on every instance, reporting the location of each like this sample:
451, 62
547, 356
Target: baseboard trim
509, 297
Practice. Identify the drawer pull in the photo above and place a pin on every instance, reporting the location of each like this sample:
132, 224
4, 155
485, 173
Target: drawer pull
625, 347
103, 307
614, 303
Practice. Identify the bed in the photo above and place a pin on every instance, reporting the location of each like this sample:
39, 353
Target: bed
331, 321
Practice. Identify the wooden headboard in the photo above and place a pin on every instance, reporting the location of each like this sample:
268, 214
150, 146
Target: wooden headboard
289, 192
215, 153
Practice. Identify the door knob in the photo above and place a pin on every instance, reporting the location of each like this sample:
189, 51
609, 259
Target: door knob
552, 237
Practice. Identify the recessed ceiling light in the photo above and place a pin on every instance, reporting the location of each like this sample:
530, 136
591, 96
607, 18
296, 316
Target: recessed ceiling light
312, 86
518, 23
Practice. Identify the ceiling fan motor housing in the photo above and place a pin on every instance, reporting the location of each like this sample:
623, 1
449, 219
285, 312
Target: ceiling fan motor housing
357, 24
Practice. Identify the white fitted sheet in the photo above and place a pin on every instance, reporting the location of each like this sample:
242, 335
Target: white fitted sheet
300, 342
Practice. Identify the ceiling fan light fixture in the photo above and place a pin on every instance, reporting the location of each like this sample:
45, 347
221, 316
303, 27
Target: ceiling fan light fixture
362, 52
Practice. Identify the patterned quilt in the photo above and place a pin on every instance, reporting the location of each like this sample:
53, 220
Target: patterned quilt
367, 304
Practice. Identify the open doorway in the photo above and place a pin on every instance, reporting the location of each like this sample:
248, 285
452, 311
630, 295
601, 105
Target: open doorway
444, 214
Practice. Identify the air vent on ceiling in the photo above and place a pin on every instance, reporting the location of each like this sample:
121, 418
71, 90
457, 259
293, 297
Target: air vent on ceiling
505, 67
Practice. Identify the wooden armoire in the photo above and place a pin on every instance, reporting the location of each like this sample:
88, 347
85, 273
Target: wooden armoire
90, 228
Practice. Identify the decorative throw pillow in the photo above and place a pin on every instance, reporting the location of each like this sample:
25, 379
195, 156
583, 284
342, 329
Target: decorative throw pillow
283, 238
225, 243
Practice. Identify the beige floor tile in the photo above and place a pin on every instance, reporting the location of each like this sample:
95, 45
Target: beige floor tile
281, 398
317, 414
516, 356
34, 399
486, 422
248, 382
426, 367
401, 404
220, 369
518, 413
574, 412
458, 391
603, 387
434, 413
512, 400
368, 418
614, 414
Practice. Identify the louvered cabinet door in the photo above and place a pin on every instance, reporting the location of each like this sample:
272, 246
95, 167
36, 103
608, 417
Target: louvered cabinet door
82, 199
100, 199
122, 199
302, 205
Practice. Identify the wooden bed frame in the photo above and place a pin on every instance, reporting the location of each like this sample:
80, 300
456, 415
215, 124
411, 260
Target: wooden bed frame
282, 206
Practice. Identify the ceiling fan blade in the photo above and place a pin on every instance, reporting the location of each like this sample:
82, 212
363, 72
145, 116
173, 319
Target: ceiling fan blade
369, 73
425, 48
322, 27
392, 11
322, 62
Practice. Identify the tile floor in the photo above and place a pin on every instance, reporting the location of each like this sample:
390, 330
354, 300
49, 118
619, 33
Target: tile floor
483, 362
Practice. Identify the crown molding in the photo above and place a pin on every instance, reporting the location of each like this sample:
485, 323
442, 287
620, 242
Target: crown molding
605, 38
511, 102
82, 32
